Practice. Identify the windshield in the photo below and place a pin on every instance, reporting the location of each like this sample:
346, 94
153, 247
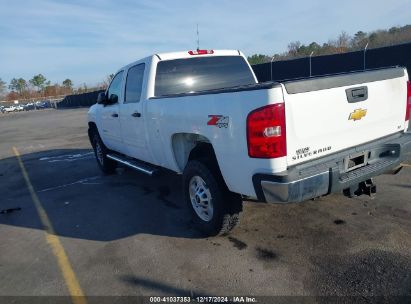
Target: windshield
200, 74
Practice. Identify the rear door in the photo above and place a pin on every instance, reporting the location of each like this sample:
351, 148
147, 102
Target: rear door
131, 113
329, 114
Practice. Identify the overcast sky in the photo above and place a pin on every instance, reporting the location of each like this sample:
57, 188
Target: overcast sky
87, 40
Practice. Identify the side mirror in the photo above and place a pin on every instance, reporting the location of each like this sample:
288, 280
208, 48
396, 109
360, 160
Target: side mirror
113, 99
102, 98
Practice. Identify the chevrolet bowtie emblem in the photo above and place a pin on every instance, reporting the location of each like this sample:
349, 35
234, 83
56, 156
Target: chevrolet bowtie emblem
357, 114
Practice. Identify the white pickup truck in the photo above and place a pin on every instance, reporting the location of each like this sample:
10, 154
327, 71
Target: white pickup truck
204, 115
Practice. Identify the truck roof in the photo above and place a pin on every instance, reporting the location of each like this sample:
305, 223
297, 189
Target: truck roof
186, 54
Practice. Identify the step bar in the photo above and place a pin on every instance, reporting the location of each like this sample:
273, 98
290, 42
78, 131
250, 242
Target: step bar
134, 164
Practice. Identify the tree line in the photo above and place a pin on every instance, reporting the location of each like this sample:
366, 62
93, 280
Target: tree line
344, 43
39, 86
36, 87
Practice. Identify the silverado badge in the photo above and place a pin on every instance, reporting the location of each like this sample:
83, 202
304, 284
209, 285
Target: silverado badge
357, 114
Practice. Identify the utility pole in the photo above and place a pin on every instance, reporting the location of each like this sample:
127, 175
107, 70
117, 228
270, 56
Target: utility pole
365, 50
311, 55
198, 39
272, 59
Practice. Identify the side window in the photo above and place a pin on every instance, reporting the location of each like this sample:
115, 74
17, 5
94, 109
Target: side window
134, 83
115, 87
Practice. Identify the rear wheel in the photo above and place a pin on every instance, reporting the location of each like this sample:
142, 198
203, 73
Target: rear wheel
214, 209
108, 166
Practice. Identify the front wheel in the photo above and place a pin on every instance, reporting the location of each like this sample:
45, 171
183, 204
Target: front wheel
108, 166
214, 210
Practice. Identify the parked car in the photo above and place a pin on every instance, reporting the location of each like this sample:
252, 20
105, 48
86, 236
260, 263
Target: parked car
202, 114
19, 108
29, 107
43, 104
2, 109
10, 109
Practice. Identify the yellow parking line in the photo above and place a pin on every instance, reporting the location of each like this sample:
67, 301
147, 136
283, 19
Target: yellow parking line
69, 276
406, 165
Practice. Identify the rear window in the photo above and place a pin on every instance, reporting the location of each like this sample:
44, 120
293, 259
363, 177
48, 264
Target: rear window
200, 74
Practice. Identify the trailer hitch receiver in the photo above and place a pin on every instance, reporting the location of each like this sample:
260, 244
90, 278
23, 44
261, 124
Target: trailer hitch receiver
367, 187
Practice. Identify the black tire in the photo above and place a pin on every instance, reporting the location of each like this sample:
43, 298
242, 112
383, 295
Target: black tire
226, 206
108, 166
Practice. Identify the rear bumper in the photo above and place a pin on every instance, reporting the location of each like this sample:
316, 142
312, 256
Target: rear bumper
327, 175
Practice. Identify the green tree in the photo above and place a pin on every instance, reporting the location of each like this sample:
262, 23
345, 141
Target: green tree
68, 83
373, 37
40, 82
13, 85
258, 58
360, 40
18, 85
314, 47
2, 87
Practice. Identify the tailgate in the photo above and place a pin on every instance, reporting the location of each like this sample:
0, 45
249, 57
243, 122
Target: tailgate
328, 114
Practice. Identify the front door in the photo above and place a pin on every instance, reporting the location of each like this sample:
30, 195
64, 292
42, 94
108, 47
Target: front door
132, 118
110, 120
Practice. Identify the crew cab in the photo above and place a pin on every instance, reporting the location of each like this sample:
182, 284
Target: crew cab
203, 114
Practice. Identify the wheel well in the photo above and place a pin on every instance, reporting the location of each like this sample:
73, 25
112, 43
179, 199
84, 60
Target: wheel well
203, 152
92, 127
188, 146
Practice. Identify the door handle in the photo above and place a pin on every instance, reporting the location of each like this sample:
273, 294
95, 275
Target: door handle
136, 114
114, 115
357, 94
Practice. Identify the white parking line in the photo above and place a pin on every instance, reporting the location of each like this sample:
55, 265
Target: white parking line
67, 157
84, 181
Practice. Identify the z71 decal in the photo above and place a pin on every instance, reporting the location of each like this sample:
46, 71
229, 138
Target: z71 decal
218, 120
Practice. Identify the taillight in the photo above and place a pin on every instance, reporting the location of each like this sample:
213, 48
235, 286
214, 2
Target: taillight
407, 113
201, 52
266, 137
